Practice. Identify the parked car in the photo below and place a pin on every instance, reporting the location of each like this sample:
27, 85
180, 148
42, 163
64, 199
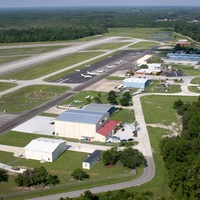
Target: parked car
130, 139
123, 140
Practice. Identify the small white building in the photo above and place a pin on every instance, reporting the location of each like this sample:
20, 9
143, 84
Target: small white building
91, 159
45, 149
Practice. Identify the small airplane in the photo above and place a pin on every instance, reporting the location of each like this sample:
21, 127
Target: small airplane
13, 80
91, 73
100, 70
86, 76
77, 70
87, 65
110, 66
77, 101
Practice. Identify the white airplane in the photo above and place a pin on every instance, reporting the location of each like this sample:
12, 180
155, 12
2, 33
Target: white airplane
110, 66
86, 76
77, 101
87, 65
101, 70
77, 70
91, 73
13, 80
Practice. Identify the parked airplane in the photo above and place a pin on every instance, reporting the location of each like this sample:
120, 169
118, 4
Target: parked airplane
13, 80
101, 70
91, 73
110, 66
87, 65
77, 101
77, 70
86, 76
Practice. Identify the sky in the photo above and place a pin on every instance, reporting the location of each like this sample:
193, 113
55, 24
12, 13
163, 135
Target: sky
59, 3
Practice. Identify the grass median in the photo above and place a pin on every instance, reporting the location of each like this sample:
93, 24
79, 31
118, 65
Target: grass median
50, 67
29, 97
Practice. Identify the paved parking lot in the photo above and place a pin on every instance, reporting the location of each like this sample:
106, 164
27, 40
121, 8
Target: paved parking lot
124, 133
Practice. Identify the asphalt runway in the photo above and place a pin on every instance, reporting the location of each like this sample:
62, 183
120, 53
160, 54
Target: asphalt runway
75, 77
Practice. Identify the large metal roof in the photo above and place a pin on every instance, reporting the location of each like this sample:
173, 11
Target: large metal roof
80, 116
47, 145
97, 107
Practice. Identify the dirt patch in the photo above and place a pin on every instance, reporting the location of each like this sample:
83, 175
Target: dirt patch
174, 128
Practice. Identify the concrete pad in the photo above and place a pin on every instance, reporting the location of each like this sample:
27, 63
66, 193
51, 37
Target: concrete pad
38, 125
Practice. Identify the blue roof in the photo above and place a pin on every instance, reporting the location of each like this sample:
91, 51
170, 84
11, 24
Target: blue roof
98, 107
81, 116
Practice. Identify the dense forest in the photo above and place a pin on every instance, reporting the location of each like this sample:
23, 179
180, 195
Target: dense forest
47, 24
182, 154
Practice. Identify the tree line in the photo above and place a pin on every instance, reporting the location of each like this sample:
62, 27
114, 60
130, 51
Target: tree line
181, 154
73, 23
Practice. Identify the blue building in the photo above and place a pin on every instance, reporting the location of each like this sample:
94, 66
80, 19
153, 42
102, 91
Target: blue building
136, 82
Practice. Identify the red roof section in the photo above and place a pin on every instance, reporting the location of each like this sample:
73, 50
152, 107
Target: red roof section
108, 127
184, 43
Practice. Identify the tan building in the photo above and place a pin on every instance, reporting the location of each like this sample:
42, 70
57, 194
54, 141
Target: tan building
84, 125
45, 149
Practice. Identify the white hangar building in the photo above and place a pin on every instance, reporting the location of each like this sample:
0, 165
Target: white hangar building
45, 149
136, 82
84, 125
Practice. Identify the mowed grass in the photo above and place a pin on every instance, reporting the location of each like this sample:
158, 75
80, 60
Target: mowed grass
124, 115
6, 86
50, 67
115, 78
81, 96
159, 109
194, 89
110, 46
187, 69
29, 50
195, 80
133, 32
5, 59
143, 45
29, 97
19, 139
157, 87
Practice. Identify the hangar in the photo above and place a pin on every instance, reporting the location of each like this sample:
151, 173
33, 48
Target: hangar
136, 82
100, 107
45, 149
84, 125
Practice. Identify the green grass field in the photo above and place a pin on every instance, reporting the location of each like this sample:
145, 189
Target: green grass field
193, 89
5, 59
143, 45
115, 78
195, 80
6, 86
50, 67
133, 32
19, 139
29, 97
109, 46
156, 87
159, 109
187, 69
